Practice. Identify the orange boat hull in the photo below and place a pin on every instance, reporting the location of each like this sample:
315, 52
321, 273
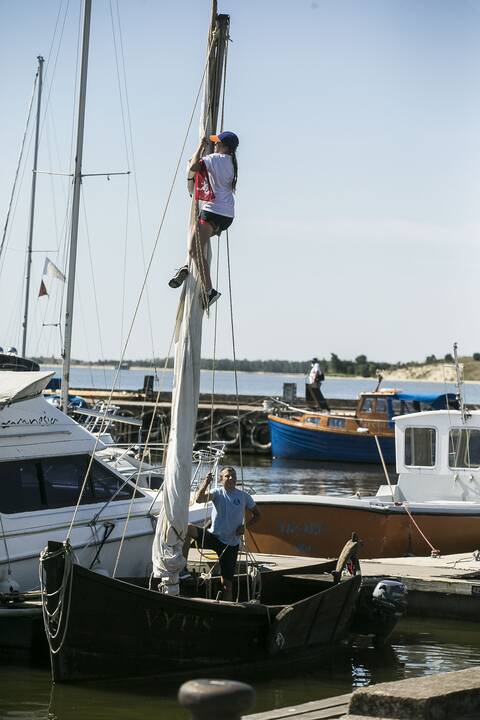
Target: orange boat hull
316, 530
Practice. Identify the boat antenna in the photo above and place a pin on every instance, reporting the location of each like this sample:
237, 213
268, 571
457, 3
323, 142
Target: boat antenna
459, 383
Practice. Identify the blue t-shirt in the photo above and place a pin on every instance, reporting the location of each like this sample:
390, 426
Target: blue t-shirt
228, 513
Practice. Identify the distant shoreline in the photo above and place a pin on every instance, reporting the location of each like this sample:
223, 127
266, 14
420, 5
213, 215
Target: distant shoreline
424, 374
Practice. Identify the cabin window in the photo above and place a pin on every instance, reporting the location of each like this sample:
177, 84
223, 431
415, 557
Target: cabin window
63, 479
464, 448
106, 485
420, 446
336, 422
381, 405
20, 487
31, 485
397, 406
367, 405
313, 421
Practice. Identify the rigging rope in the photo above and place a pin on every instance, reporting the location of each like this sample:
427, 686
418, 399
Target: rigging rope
140, 296
22, 148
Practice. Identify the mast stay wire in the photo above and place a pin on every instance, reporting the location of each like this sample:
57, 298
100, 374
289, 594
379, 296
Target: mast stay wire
29, 115
94, 286
139, 299
134, 168
152, 419
22, 148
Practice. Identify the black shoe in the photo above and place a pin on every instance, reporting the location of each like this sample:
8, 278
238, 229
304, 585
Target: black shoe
212, 298
179, 277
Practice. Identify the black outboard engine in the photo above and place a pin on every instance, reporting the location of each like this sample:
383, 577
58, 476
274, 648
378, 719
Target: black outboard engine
379, 609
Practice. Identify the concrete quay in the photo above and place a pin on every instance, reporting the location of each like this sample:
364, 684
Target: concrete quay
444, 696
446, 587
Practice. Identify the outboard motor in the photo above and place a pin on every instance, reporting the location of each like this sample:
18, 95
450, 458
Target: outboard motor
379, 610
393, 592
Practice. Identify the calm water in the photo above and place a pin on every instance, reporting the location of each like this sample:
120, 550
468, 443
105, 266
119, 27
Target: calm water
262, 384
417, 648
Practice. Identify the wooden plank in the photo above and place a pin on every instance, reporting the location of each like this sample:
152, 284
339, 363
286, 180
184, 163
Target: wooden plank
334, 707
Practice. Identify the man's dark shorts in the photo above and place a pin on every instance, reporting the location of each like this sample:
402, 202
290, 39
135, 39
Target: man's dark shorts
227, 554
218, 222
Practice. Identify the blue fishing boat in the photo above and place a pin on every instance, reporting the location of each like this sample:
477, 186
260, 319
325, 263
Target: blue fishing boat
355, 436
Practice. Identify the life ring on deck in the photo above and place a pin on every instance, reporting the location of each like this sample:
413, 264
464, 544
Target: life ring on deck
226, 430
260, 436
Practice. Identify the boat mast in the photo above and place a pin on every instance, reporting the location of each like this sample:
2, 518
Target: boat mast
459, 382
77, 180
32, 205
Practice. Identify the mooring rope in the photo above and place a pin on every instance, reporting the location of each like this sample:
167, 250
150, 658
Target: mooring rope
56, 622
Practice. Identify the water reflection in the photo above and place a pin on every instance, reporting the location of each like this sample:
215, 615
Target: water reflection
313, 478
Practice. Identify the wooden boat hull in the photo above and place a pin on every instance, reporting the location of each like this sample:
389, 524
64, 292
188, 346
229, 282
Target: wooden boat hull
295, 441
315, 529
111, 629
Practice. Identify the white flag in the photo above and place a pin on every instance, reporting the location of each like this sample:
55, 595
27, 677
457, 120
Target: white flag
52, 270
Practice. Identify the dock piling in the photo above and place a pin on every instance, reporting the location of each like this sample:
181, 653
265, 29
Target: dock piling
216, 699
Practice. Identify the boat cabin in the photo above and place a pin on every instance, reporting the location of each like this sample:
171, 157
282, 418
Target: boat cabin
44, 454
389, 403
438, 456
376, 410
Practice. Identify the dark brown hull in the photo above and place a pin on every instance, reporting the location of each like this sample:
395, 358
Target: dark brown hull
113, 629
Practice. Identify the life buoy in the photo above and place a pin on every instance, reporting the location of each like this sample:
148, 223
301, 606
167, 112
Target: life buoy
260, 436
226, 430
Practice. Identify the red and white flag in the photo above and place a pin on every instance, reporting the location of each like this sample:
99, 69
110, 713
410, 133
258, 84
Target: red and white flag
43, 289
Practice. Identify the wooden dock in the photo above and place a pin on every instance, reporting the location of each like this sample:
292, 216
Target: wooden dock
327, 709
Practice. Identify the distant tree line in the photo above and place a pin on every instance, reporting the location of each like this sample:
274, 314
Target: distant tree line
360, 366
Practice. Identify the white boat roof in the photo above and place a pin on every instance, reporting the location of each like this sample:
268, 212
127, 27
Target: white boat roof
442, 419
31, 427
15, 386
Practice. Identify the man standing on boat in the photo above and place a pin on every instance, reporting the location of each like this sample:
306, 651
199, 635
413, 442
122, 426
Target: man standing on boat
315, 379
229, 522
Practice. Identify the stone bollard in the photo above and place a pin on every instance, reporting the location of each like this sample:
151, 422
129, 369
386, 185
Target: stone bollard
216, 699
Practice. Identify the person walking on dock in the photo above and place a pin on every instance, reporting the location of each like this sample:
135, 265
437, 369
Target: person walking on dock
215, 184
315, 379
229, 522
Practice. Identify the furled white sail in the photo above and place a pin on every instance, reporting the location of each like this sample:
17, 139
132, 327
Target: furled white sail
167, 549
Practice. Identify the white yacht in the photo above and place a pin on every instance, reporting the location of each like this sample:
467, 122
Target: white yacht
45, 457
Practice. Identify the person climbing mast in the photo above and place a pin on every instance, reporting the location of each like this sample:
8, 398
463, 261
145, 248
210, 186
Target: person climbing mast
215, 184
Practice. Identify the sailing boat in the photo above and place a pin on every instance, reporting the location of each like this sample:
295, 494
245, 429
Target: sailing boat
104, 627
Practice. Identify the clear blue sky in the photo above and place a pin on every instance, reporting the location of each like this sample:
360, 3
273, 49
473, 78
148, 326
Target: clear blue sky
359, 174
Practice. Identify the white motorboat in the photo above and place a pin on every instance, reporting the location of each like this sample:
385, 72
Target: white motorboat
45, 459
434, 507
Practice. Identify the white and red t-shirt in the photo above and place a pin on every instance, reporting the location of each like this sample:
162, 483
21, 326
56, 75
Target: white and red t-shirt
214, 187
